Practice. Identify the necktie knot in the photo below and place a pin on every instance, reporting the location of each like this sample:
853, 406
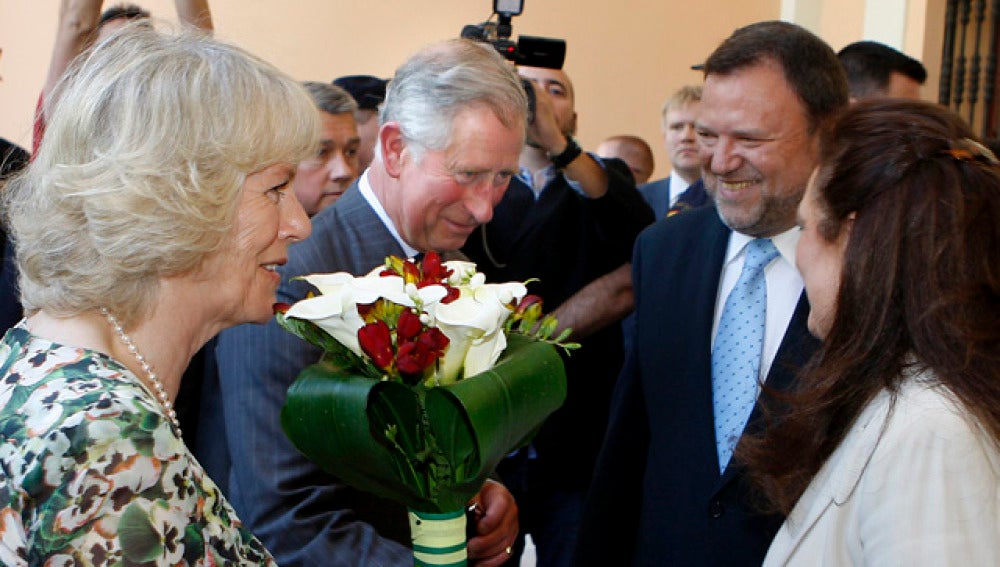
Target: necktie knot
760, 252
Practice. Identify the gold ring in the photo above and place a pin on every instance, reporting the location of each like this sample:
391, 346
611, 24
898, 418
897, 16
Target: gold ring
507, 550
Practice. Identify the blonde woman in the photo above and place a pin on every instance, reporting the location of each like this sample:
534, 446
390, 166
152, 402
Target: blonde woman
153, 216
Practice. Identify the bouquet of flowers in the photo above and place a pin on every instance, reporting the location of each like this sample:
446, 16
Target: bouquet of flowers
429, 377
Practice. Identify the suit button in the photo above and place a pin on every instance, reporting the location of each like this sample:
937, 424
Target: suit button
715, 509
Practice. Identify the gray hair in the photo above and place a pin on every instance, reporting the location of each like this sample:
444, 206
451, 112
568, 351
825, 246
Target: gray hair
433, 86
331, 98
151, 138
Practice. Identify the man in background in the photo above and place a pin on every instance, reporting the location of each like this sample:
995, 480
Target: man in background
634, 151
369, 92
720, 315
323, 178
678, 118
568, 219
877, 70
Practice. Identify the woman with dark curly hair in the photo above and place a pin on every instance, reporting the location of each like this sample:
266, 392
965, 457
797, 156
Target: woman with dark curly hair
890, 454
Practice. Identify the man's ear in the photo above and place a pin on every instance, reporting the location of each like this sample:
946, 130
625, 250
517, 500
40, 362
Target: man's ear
393, 146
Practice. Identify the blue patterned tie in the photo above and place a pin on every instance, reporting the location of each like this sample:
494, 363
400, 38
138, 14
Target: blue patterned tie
738, 346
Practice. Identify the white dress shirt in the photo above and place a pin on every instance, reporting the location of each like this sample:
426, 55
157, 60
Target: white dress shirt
366, 191
677, 186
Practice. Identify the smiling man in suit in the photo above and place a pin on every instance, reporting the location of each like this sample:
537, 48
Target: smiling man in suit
452, 127
719, 313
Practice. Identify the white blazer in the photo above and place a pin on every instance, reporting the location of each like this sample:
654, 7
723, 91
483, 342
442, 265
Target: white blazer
915, 483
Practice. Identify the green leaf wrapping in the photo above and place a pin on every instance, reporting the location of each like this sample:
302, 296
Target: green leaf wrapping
430, 449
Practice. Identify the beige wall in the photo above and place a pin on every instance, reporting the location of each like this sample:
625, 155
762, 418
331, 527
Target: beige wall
625, 56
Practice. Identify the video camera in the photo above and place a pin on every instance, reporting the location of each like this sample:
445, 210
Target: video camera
529, 50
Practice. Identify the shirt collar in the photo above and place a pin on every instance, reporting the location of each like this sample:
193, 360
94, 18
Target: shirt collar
786, 243
677, 186
366, 191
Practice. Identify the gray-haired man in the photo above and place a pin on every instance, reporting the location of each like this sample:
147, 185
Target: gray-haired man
453, 124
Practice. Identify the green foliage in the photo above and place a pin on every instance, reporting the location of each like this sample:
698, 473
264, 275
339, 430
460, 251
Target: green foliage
434, 447
542, 330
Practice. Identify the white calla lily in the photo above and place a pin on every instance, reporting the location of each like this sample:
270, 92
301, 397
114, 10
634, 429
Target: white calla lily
336, 310
431, 294
473, 324
335, 313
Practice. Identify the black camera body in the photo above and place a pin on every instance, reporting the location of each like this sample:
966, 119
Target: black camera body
532, 51
529, 50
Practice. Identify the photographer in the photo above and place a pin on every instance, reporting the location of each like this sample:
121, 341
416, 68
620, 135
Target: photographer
567, 219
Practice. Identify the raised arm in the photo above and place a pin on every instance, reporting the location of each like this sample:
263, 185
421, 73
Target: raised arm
195, 13
604, 301
77, 24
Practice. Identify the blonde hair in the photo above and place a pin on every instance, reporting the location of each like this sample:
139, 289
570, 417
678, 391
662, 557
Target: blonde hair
688, 94
150, 139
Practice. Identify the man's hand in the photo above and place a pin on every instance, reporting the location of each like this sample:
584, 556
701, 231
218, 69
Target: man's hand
545, 131
496, 527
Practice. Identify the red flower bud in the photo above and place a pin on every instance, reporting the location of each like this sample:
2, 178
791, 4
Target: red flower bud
434, 270
415, 356
408, 326
280, 307
412, 359
528, 302
453, 294
376, 342
435, 339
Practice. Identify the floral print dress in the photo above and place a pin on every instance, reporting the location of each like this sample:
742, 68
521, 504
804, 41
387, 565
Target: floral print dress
93, 473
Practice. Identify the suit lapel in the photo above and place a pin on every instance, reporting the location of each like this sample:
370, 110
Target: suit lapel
349, 236
680, 271
837, 480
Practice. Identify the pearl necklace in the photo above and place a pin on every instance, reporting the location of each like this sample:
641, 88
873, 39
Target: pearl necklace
161, 392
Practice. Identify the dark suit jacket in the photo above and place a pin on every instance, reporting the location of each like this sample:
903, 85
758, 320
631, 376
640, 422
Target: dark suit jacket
13, 158
303, 515
657, 194
566, 240
657, 497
